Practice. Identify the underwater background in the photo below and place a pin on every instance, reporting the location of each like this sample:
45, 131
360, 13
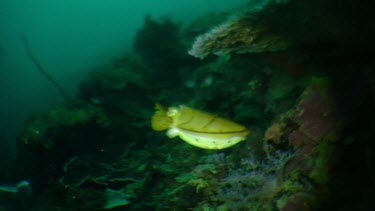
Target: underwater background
187, 105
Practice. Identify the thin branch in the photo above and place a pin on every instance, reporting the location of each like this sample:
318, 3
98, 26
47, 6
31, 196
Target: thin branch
42, 70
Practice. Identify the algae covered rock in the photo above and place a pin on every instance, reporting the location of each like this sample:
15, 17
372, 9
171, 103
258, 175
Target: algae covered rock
40, 128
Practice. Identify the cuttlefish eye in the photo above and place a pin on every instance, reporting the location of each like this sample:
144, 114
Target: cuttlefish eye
172, 112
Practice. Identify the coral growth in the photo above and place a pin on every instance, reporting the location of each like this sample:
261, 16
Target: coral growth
236, 35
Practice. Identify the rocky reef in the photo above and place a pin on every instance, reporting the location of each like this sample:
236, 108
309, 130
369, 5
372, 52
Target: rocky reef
301, 89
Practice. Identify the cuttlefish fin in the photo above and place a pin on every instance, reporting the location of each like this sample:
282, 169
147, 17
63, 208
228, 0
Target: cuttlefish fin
160, 120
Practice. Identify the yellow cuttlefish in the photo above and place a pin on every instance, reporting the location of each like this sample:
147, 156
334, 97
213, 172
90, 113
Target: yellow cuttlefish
198, 128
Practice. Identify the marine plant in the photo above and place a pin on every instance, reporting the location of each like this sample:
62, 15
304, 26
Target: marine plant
250, 185
61, 117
